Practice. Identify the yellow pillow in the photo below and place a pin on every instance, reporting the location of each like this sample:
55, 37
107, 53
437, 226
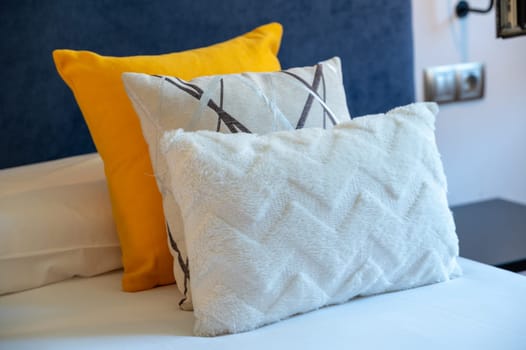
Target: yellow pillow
136, 203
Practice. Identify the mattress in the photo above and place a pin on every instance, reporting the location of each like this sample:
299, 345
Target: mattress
484, 309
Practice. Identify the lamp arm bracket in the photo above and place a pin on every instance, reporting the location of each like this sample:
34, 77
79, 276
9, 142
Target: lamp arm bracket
463, 8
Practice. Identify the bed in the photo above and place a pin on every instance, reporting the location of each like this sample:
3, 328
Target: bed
94, 313
62, 256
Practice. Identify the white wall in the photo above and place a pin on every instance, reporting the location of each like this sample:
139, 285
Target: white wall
482, 142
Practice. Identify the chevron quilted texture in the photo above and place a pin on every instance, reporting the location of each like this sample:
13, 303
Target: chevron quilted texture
249, 102
291, 221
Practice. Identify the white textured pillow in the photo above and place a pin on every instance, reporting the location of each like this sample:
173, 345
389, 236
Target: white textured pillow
288, 222
248, 102
55, 223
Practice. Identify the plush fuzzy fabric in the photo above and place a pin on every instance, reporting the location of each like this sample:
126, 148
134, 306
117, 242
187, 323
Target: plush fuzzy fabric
248, 102
288, 222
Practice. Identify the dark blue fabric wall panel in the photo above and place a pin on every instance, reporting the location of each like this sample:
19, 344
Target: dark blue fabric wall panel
39, 119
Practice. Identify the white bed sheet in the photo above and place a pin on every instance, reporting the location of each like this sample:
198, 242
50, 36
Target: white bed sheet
484, 309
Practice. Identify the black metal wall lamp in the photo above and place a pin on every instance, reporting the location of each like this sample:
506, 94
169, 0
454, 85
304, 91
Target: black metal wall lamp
463, 8
510, 16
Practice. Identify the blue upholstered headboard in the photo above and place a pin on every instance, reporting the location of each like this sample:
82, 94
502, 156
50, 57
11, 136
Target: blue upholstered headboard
39, 119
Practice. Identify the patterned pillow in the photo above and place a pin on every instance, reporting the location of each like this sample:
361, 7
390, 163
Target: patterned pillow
288, 222
248, 102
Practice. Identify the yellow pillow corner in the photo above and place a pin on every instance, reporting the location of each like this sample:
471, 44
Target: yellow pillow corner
95, 81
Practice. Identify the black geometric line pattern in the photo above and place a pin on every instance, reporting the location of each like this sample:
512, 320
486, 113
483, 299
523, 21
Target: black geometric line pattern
324, 87
235, 125
183, 264
317, 75
220, 103
195, 91
312, 92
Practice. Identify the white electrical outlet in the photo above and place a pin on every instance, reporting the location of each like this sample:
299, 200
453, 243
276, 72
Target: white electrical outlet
454, 82
470, 81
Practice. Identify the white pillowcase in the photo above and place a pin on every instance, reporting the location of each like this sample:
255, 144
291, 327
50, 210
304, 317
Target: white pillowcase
288, 222
55, 223
248, 102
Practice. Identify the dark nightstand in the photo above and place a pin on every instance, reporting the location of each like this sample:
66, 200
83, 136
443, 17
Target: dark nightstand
493, 232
